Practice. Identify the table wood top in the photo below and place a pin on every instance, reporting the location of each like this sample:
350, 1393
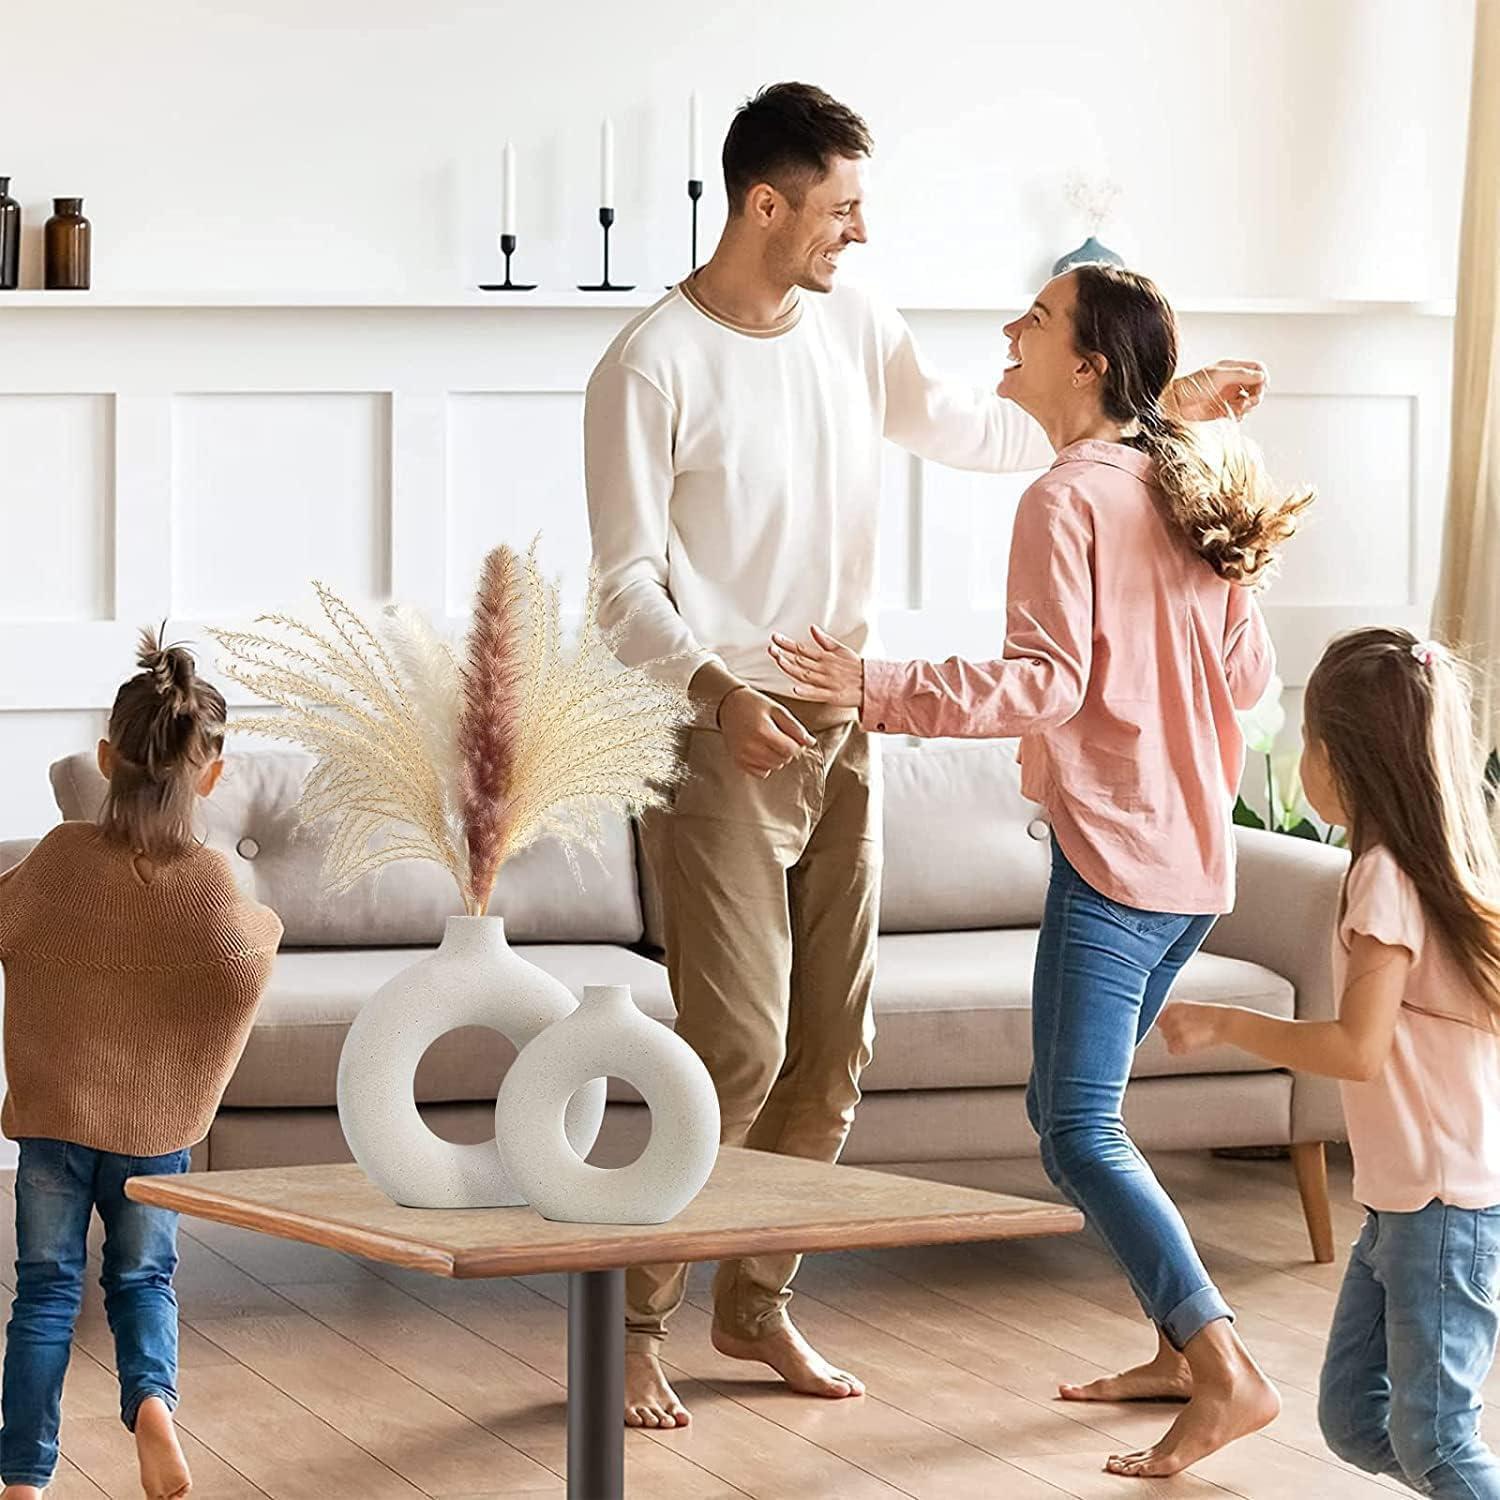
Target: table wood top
753, 1203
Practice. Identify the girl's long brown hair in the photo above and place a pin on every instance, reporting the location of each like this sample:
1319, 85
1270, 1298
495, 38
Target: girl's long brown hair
1230, 512
167, 724
1396, 727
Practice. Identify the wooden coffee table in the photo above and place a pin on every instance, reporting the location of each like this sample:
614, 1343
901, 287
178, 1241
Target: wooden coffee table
754, 1202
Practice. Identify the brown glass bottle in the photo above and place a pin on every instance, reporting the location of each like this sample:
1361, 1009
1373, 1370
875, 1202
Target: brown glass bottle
10, 239
66, 247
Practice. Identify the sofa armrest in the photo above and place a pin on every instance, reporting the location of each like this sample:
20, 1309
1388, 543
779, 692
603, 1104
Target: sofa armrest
1287, 905
13, 851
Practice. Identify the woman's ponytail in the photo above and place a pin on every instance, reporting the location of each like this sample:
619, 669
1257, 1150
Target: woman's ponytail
1225, 506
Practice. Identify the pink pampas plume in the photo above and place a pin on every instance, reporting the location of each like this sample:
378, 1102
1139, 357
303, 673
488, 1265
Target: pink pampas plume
488, 725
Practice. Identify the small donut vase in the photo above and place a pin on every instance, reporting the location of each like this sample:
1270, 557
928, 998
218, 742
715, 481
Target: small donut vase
607, 1036
473, 978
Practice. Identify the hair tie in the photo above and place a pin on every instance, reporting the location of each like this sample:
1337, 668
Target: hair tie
1426, 652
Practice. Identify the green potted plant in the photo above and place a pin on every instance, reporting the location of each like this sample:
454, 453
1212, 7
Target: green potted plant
1287, 808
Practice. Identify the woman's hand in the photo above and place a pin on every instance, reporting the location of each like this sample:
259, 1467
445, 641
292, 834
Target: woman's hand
822, 669
1230, 388
1189, 1027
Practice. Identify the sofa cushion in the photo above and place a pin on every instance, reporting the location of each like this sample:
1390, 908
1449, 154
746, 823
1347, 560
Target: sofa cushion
963, 848
250, 819
952, 1010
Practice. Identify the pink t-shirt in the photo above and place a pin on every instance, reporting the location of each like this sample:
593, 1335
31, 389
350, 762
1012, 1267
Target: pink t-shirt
1429, 1125
1124, 661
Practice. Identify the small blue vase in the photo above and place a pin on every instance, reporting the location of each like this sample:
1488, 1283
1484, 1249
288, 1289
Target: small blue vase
1090, 251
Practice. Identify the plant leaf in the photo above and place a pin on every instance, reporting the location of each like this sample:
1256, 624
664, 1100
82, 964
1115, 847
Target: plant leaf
1246, 816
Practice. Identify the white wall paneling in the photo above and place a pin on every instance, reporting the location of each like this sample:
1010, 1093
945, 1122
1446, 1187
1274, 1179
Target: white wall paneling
57, 565
515, 471
271, 489
203, 463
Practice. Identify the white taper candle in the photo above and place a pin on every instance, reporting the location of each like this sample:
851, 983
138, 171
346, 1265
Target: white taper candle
508, 190
695, 139
607, 165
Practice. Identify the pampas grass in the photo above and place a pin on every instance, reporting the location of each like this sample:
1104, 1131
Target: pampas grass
421, 755
591, 735
343, 698
489, 723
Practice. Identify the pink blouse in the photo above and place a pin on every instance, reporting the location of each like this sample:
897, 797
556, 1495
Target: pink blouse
1125, 659
1428, 1126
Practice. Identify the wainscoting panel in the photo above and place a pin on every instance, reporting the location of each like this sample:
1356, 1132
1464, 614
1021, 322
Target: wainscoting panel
1356, 547
269, 491
57, 507
515, 470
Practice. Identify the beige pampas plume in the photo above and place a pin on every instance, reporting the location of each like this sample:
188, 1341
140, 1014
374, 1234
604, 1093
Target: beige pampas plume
433, 678
343, 699
594, 734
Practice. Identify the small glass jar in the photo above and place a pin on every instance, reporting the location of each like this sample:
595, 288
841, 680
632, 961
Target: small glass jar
67, 247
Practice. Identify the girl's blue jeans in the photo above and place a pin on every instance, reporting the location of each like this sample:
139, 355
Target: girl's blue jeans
59, 1186
1412, 1342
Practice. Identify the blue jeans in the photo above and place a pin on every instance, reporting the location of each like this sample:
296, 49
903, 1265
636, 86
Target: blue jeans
1103, 971
58, 1186
1412, 1342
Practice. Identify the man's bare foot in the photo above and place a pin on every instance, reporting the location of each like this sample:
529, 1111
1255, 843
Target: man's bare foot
650, 1400
20, 1492
1230, 1399
1165, 1377
164, 1471
792, 1358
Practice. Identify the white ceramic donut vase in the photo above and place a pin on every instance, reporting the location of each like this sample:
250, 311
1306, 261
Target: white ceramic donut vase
608, 1036
472, 979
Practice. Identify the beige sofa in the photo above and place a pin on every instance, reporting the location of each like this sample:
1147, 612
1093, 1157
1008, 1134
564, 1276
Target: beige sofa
965, 876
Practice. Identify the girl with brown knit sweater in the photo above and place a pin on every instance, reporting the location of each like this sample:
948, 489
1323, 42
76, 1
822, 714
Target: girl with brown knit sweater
133, 967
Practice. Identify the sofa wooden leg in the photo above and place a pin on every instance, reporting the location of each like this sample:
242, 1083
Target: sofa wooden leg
1310, 1162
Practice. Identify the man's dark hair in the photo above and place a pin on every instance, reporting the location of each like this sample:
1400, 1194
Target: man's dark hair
788, 135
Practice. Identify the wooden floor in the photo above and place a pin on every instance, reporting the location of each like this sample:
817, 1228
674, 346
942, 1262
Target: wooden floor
311, 1376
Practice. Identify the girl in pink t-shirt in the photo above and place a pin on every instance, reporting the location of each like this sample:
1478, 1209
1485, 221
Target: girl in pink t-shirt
1390, 756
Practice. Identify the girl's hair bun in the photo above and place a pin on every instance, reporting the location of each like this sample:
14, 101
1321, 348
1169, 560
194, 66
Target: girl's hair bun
172, 668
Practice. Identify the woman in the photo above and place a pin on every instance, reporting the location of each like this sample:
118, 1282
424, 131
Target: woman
1132, 637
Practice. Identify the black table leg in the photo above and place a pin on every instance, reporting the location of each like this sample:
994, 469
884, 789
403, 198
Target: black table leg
596, 1385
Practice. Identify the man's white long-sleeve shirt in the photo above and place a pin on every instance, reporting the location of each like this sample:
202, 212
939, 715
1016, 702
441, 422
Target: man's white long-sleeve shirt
734, 477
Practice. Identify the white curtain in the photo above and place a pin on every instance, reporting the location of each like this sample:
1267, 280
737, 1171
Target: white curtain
1467, 611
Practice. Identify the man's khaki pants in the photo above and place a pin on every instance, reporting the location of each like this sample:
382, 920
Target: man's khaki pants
770, 893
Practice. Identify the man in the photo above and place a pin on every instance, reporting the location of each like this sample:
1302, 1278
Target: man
732, 453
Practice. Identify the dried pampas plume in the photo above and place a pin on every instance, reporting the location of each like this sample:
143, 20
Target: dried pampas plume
587, 735
423, 756
489, 720
344, 699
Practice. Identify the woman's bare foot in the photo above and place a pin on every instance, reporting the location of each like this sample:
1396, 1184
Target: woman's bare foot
164, 1471
1165, 1377
650, 1400
20, 1492
1230, 1399
792, 1358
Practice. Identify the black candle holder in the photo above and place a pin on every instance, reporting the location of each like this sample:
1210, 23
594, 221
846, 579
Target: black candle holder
695, 192
604, 284
507, 249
